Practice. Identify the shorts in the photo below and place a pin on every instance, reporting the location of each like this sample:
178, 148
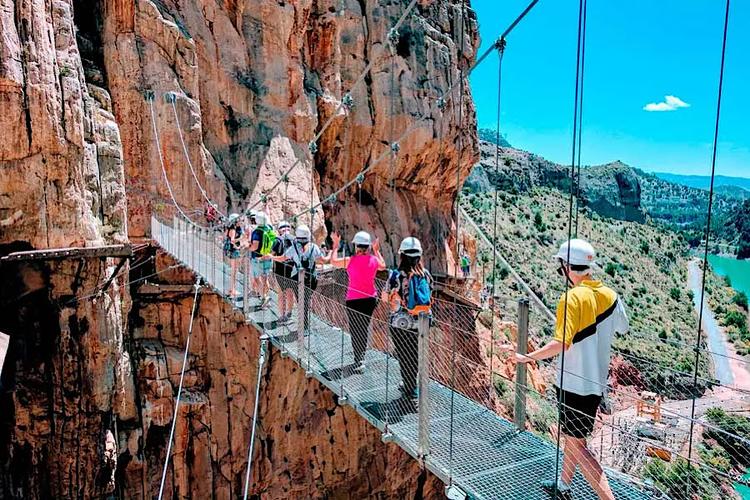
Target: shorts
232, 253
261, 267
578, 413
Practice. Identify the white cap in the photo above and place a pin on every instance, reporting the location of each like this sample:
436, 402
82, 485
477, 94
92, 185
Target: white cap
410, 246
302, 232
362, 238
261, 218
581, 253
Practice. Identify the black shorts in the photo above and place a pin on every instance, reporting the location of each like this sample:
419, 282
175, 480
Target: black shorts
284, 277
577, 413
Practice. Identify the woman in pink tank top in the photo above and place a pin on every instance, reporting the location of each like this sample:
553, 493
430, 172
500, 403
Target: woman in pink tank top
361, 294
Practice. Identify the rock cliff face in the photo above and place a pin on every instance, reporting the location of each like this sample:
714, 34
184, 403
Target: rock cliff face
307, 445
88, 386
255, 80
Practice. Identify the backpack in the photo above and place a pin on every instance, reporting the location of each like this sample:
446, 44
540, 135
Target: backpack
311, 278
266, 243
419, 298
229, 243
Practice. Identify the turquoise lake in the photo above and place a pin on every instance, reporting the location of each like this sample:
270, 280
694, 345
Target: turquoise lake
737, 270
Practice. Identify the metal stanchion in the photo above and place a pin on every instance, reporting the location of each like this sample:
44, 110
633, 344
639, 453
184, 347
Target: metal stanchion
342, 394
300, 314
519, 411
423, 326
245, 286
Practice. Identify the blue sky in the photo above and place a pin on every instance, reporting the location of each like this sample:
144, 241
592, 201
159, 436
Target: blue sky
637, 52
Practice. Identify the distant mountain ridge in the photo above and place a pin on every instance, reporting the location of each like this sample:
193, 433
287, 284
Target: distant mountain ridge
704, 181
619, 191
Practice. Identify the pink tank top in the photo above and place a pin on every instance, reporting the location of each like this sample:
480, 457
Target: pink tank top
362, 270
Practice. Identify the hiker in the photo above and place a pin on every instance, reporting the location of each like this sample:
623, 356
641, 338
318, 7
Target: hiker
211, 213
408, 292
589, 315
361, 293
304, 255
283, 271
232, 250
261, 242
465, 264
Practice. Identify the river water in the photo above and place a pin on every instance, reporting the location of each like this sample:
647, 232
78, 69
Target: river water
737, 270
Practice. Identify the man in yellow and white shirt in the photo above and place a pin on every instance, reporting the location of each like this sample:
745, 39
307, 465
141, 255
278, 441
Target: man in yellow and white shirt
589, 315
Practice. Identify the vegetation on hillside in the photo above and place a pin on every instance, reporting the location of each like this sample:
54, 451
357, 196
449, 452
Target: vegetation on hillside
646, 264
731, 309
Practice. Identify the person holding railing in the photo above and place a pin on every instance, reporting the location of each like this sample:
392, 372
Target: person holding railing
589, 315
232, 250
305, 255
283, 271
409, 293
361, 293
261, 242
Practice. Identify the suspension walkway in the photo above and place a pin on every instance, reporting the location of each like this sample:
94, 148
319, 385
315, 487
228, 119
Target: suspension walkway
467, 445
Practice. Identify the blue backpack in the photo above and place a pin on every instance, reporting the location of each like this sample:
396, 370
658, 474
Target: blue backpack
420, 295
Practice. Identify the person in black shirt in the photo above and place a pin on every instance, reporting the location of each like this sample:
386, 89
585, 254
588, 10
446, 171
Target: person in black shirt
283, 271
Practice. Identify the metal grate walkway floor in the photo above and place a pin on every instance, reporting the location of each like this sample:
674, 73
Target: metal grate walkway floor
478, 451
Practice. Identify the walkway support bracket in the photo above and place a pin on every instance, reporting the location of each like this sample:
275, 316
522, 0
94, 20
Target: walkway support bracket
423, 328
519, 410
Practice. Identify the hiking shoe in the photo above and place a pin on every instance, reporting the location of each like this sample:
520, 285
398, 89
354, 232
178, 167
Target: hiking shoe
563, 490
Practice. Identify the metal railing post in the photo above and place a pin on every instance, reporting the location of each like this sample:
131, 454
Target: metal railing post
423, 327
519, 411
245, 285
300, 313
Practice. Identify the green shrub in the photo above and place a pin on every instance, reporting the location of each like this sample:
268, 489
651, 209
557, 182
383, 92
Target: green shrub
680, 479
610, 269
740, 299
675, 293
732, 432
735, 318
644, 247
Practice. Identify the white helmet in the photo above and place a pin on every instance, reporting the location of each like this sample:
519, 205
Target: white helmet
261, 218
362, 238
284, 225
302, 232
581, 253
411, 246
233, 218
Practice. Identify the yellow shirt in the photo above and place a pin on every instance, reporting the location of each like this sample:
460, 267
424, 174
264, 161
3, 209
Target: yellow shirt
588, 317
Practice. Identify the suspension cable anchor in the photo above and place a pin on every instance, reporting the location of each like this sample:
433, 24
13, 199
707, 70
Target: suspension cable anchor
395, 147
313, 147
500, 44
263, 198
285, 178
360, 179
170, 97
386, 437
148, 95
441, 103
331, 199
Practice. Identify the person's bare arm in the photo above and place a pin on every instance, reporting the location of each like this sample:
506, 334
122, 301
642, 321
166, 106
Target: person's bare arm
334, 259
379, 256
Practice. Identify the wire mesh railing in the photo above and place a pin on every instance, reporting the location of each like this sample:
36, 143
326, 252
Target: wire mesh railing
456, 403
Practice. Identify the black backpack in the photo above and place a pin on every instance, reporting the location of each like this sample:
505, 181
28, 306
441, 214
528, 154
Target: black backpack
311, 278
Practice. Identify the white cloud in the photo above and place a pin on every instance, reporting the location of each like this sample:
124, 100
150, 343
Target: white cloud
670, 103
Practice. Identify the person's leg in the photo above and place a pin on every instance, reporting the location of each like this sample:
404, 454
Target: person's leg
405, 342
233, 276
590, 468
354, 314
571, 456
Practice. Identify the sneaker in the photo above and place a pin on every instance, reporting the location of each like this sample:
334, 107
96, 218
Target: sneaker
563, 490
